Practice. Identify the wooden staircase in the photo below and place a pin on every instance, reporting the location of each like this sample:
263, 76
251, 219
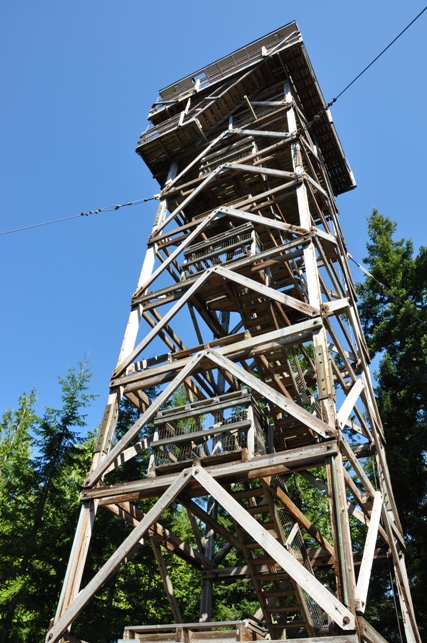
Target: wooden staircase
287, 611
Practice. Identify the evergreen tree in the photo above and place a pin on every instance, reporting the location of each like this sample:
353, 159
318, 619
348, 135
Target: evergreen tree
17, 482
38, 501
394, 316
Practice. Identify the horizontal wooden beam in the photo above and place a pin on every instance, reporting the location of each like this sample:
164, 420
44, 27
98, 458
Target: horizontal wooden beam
235, 350
292, 459
287, 405
319, 558
114, 562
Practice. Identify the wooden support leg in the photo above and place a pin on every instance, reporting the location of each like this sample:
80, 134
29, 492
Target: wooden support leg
207, 583
114, 562
343, 549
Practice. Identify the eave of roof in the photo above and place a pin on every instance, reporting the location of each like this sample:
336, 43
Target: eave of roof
287, 45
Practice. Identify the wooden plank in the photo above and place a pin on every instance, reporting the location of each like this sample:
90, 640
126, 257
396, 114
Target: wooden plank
266, 291
212, 523
368, 633
202, 407
206, 625
167, 582
256, 218
368, 554
260, 342
336, 306
168, 187
275, 397
302, 519
349, 402
203, 434
262, 170
114, 562
144, 419
405, 599
248, 132
265, 256
161, 324
292, 459
226, 274
172, 543
188, 200
348, 452
146, 270
327, 601
149, 280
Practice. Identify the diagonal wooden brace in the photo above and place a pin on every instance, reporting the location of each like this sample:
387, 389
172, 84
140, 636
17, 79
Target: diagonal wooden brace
327, 601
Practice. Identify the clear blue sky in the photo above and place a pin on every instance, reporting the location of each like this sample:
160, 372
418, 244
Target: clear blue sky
78, 79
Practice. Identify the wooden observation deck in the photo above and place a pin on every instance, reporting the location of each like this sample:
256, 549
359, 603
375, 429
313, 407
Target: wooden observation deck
246, 305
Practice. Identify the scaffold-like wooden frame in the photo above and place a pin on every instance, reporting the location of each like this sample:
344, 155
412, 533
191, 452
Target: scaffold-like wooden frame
246, 300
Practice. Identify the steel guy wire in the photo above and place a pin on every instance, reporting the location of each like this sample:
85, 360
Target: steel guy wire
112, 207
334, 100
108, 208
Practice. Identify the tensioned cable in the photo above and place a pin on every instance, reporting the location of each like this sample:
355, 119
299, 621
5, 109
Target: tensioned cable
108, 208
334, 100
322, 111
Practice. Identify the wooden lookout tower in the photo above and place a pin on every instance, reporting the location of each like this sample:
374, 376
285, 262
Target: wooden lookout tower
246, 304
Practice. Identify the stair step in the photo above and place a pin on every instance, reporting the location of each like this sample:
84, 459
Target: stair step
291, 625
259, 509
262, 560
255, 545
275, 576
283, 610
247, 493
252, 546
283, 592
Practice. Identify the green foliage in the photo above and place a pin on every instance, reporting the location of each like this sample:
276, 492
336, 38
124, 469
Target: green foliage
42, 469
394, 316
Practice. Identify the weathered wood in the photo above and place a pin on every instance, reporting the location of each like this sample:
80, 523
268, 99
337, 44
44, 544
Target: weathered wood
319, 559
160, 325
62, 624
276, 398
302, 519
248, 230
255, 218
261, 170
197, 511
368, 554
167, 582
144, 419
293, 459
160, 534
168, 187
368, 633
338, 612
267, 292
349, 402
248, 347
